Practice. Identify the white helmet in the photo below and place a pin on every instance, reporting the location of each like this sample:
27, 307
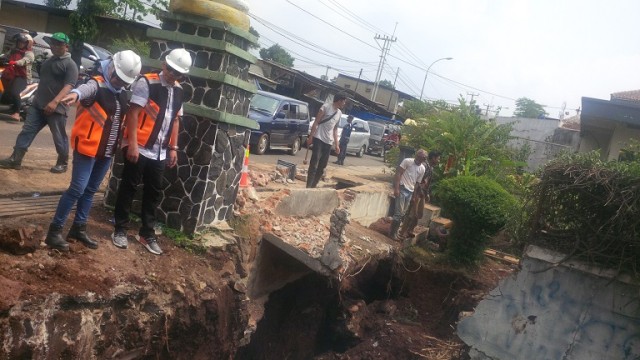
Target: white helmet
127, 65
179, 59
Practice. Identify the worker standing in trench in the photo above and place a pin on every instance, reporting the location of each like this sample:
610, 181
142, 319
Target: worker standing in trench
409, 175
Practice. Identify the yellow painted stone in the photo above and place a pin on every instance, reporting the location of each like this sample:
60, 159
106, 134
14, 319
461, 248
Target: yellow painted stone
212, 10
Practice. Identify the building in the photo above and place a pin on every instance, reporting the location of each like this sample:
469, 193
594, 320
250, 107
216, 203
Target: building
386, 97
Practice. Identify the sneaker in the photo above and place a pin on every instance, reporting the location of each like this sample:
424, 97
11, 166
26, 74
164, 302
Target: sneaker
151, 243
119, 239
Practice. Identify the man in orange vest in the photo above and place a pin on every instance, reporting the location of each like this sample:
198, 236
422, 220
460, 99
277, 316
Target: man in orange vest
150, 145
94, 138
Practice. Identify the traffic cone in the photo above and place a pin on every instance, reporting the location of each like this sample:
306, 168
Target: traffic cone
244, 177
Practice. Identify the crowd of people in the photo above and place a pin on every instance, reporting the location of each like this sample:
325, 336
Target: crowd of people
144, 127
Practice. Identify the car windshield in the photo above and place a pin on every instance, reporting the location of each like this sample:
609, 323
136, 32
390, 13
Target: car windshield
376, 129
103, 54
263, 104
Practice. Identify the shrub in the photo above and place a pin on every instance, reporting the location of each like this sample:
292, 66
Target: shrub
479, 207
140, 47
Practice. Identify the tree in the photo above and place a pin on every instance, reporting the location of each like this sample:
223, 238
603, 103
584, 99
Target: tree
58, 4
278, 54
528, 108
257, 34
387, 83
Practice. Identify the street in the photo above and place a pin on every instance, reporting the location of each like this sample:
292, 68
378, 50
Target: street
272, 156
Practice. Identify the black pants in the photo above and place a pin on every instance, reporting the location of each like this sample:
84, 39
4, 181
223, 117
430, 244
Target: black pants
12, 90
319, 160
343, 151
148, 171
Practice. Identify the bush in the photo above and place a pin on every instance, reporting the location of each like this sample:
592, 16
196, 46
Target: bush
479, 207
140, 47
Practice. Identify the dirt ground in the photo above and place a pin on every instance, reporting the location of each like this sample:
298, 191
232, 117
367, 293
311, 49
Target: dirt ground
401, 310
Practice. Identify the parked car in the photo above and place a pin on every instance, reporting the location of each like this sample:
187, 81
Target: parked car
90, 53
284, 122
377, 138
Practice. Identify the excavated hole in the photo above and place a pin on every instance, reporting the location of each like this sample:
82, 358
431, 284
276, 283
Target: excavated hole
308, 317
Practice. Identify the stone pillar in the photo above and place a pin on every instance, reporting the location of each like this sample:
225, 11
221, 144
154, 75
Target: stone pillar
214, 130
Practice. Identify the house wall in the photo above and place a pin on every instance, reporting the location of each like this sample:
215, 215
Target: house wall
595, 139
542, 136
550, 311
620, 138
386, 97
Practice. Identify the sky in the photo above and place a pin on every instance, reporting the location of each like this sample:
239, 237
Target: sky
553, 52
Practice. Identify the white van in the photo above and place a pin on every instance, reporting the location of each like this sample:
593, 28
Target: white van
360, 133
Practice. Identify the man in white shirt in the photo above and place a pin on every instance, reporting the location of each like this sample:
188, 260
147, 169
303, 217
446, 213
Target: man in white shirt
409, 174
324, 133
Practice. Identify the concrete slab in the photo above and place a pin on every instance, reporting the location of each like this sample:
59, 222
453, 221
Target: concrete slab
367, 203
556, 311
308, 202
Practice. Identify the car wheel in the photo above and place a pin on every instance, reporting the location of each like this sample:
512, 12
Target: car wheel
363, 149
295, 147
263, 144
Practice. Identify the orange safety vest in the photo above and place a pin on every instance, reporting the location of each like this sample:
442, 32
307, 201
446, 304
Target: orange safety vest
94, 121
153, 114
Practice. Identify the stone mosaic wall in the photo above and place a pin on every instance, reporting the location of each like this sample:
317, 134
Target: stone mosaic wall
202, 189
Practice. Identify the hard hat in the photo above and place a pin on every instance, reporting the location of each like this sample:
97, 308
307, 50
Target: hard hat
127, 65
28, 37
179, 59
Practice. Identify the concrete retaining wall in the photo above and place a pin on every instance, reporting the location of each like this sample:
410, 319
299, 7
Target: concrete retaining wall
370, 203
570, 311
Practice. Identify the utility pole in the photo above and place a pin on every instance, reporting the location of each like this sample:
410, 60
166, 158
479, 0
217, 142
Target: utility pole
358, 82
326, 74
489, 107
394, 89
386, 46
472, 96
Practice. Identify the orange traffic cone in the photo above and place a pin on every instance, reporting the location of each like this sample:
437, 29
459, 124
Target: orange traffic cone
244, 177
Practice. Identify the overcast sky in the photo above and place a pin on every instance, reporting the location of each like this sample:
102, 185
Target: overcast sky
549, 51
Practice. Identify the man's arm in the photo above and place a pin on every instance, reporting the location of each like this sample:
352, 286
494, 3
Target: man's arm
131, 119
53, 104
335, 138
172, 153
396, 181
314, 128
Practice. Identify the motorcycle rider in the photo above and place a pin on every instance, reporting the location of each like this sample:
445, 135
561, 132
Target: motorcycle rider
16, 76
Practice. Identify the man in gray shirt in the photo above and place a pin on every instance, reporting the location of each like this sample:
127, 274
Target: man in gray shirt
58, 75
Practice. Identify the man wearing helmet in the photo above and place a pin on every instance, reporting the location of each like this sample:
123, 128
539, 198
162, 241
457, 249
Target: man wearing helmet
58, 75
16, 76
150, 144
94, 138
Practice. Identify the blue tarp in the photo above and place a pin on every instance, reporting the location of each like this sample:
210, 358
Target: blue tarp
369, 116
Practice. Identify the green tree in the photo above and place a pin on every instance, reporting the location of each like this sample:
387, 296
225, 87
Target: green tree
386, 83
257, 34
278, 54
528, 108
470, 145
58, 4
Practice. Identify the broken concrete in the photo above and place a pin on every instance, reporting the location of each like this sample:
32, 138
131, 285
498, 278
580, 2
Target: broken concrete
553, 310
308, 202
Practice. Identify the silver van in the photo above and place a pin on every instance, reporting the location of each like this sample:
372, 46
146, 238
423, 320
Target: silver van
360, 133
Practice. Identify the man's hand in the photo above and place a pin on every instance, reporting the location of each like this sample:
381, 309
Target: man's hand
11, 63
309, 140
337, 148
172, 158
51, 107
396, 192
132, 153
70, 99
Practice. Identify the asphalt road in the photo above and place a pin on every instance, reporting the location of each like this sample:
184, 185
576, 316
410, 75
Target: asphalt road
272, 156
9, 130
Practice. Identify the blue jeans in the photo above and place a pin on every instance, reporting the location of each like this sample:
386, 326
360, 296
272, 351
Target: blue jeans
86, 177
36, 120
402, 203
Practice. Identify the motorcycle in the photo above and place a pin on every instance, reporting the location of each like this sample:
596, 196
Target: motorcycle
26, 95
